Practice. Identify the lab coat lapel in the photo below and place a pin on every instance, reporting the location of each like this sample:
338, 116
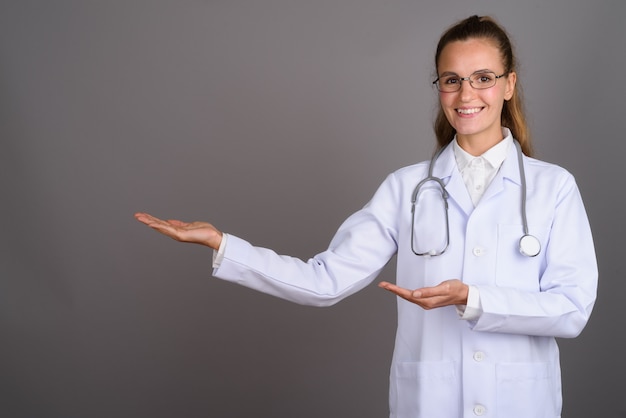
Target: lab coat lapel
446, 169
509, 170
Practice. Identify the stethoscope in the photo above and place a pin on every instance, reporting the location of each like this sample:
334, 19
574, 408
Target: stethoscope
529, 245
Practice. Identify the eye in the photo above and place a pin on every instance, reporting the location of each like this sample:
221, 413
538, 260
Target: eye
483, 78
450, 80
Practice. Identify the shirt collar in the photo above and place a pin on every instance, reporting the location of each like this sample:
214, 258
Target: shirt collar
494, 156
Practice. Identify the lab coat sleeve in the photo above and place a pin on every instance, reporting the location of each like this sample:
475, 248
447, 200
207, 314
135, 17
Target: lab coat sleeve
359, 250
567, 287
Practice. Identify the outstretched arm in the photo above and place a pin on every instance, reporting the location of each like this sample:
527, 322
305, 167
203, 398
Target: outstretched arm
357, 253
195, 232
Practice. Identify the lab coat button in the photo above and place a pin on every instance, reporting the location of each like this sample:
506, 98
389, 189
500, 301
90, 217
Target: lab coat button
479, 410
478, 251
479, 356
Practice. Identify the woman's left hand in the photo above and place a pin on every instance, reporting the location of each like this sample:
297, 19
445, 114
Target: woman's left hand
450, 292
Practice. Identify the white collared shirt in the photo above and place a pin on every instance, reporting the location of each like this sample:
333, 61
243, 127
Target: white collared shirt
477, 172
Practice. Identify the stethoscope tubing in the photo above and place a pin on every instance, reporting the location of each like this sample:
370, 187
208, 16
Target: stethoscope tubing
529, 245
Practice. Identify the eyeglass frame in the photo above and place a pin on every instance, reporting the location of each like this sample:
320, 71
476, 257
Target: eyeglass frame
469, 79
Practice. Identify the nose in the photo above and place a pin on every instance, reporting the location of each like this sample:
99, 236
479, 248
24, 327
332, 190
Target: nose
466, 92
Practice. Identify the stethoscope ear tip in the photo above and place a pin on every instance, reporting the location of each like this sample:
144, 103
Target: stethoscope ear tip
529, 246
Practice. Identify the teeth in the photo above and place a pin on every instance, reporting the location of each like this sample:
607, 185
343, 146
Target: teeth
468, 111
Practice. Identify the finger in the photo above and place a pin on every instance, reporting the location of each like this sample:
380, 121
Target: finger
145, 218
441, 289
157, 224
176, 222
400, 291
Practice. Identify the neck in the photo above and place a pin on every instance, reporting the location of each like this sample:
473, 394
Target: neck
477, 145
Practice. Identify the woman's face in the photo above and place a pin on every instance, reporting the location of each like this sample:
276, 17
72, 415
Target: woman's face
475, 114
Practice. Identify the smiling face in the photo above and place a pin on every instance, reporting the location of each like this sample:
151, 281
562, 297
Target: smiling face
475, 114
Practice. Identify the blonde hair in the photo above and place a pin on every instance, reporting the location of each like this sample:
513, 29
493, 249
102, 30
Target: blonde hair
513, 110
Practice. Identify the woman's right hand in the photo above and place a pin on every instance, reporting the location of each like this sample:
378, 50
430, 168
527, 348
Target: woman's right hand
195, 232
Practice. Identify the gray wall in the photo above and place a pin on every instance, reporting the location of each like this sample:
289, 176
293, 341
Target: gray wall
275, 120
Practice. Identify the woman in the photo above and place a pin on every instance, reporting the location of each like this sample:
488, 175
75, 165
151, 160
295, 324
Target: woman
459, 252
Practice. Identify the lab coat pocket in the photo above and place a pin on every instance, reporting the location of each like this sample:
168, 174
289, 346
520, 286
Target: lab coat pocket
528, 389
427, 389
513, 269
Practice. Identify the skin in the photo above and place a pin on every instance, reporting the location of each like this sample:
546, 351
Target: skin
202, 233
476, 133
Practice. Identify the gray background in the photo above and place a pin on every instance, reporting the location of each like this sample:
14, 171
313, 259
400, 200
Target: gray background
274, 120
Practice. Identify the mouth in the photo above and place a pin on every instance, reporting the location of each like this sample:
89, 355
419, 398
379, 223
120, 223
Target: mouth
469, 111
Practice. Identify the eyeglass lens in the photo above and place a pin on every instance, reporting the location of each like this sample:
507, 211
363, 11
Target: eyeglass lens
479, 80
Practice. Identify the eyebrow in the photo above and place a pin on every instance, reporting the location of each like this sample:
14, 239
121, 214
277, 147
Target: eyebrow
449, 73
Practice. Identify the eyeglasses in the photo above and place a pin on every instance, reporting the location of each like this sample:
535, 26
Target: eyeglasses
479, 80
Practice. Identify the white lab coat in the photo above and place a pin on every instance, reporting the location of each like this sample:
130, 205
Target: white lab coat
503, 364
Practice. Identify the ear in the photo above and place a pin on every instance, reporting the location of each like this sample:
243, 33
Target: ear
511, 79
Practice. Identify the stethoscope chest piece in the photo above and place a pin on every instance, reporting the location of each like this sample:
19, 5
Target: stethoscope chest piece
529, 245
